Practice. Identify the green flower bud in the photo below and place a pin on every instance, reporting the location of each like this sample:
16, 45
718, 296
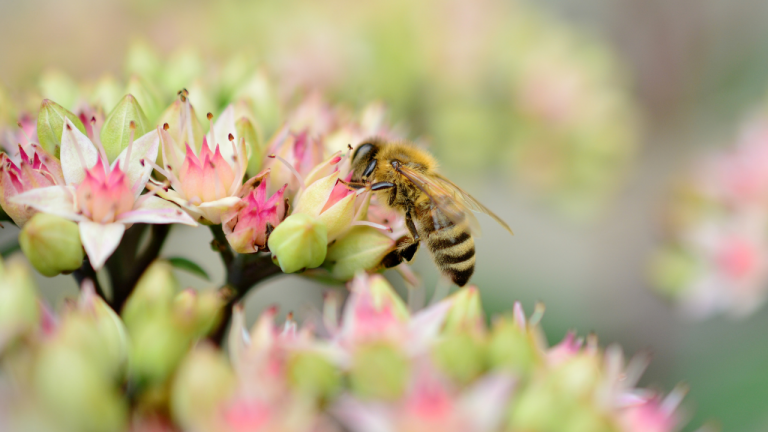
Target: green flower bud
145, 97
50, 125
313, 375
512, 348
466, 312
263, 99
142, 61
362, 248
208, 311
253, 142
71, 388
157, 347
182, 68
52, 244
578, 376
533, 409
383, 294
19, 311
197, 313
115, 345
203, 383
379, 371
107, 93
672, 270
97, 334
59, 86
153, 294
116, 133
461, 356
299, 242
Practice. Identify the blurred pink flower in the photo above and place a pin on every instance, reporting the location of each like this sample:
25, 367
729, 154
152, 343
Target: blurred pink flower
431, 404
36, 170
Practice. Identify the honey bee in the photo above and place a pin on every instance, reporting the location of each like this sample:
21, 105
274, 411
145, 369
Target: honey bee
436, 211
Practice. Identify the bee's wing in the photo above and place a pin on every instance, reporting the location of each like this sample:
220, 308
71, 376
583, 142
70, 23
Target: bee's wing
450, 199
471, 203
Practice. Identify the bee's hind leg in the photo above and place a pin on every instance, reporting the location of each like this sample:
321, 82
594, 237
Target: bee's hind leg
405, 250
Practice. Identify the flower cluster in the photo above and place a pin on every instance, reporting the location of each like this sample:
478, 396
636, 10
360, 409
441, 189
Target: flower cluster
716, 256
108, 172
371, 365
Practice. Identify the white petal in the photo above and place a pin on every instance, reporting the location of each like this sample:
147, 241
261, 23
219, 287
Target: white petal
213, 210
425, 326
74, 145
145, 147
224, 126
485, 402
56, 200
361, 417
100, 240
154, 210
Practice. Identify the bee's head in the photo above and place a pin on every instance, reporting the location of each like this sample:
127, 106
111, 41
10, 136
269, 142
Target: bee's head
364, 160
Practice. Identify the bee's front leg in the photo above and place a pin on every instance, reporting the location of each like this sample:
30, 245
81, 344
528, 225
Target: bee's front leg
411, 226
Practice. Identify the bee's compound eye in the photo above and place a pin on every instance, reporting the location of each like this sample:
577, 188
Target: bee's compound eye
361, 151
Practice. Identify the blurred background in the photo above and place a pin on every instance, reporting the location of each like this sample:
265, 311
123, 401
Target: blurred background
576, 121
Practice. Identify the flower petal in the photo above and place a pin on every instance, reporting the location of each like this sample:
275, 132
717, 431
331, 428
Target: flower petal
313, 199
76, 149
224, 126
154, 210
426, 324
485, 401
213, 210
145, 147
56, 200
100, 240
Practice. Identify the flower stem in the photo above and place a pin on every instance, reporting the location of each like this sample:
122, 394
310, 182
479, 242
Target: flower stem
244, 271
86, 271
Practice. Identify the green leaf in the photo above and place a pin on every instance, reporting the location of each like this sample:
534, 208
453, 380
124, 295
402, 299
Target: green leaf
189, 266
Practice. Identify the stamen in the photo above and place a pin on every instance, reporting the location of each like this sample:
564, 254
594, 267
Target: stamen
175, 161
167, 174
97, 142
132, 126
372, 224
213, 134
24, 132
153, 192
349, 151
187, 122
218, 186
292, 168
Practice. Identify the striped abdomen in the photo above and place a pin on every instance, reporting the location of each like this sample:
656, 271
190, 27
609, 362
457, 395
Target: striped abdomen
451, 245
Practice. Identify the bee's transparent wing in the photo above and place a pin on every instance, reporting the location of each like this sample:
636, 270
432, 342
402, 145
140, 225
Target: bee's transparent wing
450, 199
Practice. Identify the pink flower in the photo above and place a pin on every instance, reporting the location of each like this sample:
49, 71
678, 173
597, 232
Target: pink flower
653, 414
374, 312
298, 154
247, 225
36, 170
104, 199
432, 404
210, 183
